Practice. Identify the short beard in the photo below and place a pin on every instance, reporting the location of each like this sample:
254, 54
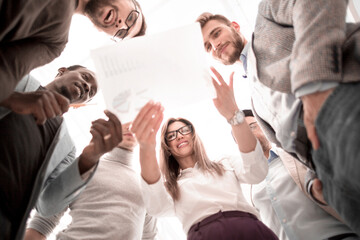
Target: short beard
91, 10
239, 46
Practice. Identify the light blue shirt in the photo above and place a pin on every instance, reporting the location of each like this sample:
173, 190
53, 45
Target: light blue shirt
287, 211
243, 58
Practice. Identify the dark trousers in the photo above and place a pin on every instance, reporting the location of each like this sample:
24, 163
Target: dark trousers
337, 161
230, 225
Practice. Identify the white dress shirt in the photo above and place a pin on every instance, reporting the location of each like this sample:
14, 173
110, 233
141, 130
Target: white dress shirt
204, 194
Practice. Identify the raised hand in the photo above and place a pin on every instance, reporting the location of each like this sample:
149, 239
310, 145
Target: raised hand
225, 99
42, 104
106, 134
145, 126
147, 123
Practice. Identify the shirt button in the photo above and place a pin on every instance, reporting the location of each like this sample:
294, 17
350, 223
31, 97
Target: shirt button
274, 198
284, 220
292, 134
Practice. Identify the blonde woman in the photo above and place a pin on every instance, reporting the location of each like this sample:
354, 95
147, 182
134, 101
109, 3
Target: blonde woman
206, 196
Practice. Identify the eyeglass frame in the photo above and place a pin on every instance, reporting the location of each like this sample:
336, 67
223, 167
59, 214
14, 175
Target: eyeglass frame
115, 37
178, 131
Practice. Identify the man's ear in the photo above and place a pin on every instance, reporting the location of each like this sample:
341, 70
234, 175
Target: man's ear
236, 26
61, 71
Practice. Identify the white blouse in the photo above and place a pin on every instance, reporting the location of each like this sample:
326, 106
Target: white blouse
203, 194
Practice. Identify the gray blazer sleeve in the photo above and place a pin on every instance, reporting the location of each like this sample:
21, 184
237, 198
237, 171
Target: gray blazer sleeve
17, 60
62, 177
320, 31
62, 187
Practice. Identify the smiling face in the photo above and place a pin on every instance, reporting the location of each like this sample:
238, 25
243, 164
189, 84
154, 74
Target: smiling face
182, 146
129, 141
77, 85
223, 42
110, 16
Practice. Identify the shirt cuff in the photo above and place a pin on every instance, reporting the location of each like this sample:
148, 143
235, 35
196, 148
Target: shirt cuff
313, 87
88, 173
309, 179
154, 187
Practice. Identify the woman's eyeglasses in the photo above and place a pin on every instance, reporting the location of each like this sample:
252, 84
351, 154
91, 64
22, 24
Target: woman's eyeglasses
185, 130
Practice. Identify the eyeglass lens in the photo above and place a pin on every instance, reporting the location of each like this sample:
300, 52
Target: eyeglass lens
170, 136
130, 21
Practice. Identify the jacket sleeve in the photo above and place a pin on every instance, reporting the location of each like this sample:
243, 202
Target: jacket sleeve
62, 186
319, 36
320, 31
18, 58
45, 225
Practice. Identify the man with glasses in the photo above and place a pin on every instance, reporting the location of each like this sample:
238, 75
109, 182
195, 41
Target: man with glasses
34, 32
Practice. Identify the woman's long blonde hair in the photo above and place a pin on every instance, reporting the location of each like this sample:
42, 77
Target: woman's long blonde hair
170, 167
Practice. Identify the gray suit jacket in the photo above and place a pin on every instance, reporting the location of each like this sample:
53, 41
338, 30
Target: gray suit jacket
299, 42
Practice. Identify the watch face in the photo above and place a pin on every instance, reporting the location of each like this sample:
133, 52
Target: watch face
239, 117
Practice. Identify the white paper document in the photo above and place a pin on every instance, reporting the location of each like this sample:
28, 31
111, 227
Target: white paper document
169, 67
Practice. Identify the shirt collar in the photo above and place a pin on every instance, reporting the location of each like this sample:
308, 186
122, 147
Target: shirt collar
188, 170
245, 49
272, 156
243, 55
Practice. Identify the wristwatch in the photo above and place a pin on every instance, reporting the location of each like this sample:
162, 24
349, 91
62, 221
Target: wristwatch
238, 118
